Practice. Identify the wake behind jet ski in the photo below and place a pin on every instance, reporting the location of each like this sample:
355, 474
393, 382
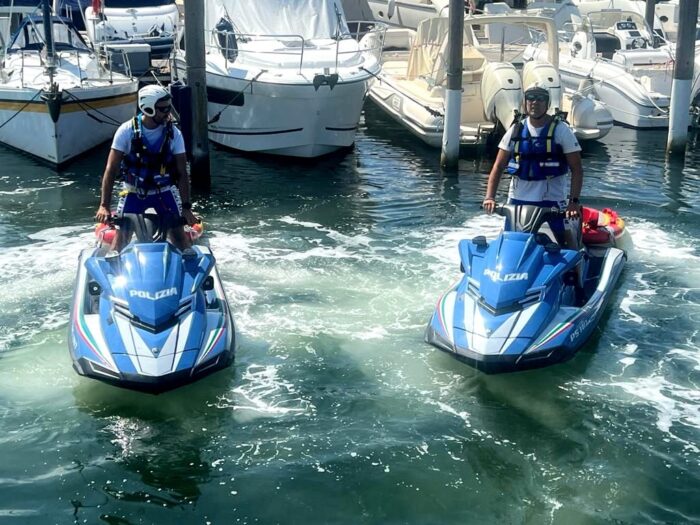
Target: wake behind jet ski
150, 318
524, 301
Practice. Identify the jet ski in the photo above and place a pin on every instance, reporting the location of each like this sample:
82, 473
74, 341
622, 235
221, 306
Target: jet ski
151, 317
524, 301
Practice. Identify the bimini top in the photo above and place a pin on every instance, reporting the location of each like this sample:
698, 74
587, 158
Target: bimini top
30, 35
310, 19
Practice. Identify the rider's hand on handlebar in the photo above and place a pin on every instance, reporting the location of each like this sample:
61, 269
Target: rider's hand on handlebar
489, 205
190, 217
103, 214
573, 210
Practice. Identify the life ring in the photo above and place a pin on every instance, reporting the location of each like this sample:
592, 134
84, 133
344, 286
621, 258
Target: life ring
601, 227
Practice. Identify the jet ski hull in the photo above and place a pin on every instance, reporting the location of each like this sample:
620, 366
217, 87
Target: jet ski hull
112, 341
547, 324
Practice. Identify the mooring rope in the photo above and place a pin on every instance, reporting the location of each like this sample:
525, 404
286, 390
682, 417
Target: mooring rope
430, 110
22, 108
216, 117
87, 107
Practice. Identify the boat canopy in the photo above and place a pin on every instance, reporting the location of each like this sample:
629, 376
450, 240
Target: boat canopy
30, 35
310, 19
20, 4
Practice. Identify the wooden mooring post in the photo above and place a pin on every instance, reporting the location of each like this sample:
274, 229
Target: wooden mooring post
197, 80
453, 95
682, 79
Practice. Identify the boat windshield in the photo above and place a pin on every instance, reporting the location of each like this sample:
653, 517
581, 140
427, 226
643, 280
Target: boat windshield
31, 37
602, 21
125, 4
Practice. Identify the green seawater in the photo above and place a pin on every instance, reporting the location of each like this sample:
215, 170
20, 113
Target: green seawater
335, 410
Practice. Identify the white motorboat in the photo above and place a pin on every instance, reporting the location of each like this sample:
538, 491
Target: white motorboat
407, 14
152, 22
56, 99
636, 6
611, 57
412, 84
286, 80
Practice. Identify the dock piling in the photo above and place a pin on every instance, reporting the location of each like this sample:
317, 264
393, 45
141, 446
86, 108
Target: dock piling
453, 95
682, 79
197, 80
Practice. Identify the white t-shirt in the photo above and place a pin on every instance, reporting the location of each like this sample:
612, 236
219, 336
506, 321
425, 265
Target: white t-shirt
555, 189
125, 132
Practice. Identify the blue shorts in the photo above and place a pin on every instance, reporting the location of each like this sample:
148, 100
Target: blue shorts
164, 202
557, 225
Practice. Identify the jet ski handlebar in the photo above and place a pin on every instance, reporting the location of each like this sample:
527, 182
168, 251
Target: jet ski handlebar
527, 217
148, 227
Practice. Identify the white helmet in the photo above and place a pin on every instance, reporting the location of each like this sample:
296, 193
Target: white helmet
149, 97
538, 89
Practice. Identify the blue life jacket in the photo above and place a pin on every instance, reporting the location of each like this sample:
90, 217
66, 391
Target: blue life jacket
147, 167
536, 158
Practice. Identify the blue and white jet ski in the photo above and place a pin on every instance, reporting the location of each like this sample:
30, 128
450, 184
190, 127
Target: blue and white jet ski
524, 301
150, 318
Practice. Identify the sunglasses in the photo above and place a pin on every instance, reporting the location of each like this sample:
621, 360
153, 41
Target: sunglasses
535, 98
163, 109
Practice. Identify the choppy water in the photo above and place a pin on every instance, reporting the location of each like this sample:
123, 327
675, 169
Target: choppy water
336, 411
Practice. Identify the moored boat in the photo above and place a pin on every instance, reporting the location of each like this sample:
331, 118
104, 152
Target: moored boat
286, 81
57, 100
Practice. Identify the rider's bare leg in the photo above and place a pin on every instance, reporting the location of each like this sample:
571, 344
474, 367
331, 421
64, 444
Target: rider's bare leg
121, 238
179, 238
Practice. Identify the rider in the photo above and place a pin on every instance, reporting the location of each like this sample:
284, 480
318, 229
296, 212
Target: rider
149, 153
538, 152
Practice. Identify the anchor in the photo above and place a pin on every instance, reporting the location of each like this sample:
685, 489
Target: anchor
329, 80
53, 99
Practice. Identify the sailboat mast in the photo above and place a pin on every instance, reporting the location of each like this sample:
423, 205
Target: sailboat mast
48, 31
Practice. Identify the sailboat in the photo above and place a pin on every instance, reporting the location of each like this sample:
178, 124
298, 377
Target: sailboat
57, 100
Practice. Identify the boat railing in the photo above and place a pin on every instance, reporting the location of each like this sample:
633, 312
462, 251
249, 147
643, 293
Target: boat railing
368, 34
28, 61
115, 59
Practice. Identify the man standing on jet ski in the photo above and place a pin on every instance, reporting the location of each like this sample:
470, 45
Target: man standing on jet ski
538, 153
149, 153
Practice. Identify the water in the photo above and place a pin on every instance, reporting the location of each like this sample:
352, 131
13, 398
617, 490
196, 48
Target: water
335, 410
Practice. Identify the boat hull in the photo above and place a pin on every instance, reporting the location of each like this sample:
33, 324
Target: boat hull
619, 100
296, 120
87, 118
